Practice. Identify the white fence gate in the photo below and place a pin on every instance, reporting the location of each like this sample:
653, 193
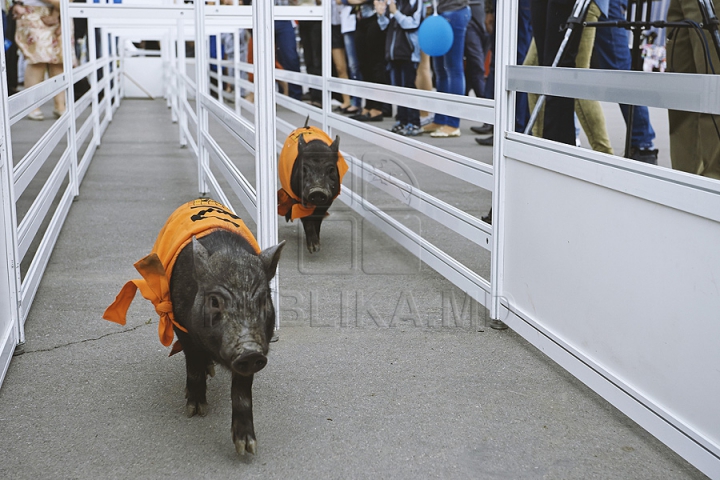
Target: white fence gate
618, 284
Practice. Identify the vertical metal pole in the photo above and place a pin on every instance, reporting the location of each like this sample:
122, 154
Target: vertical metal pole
104, 48
236, 62
121, 79
201, 78
9, 212
116, 69
265, 154
92, 53
172, 77
506, 17
326, 62
68, 51
218, 66
181, 74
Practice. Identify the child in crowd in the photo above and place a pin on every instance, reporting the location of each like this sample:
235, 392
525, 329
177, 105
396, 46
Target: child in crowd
400, 19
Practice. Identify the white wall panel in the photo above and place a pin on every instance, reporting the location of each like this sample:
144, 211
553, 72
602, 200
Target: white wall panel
619, 279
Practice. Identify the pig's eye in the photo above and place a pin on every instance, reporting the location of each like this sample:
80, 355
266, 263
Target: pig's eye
330, 171
213, 309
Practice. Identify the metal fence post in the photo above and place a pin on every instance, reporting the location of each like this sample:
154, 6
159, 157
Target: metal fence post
265, 153
201, 70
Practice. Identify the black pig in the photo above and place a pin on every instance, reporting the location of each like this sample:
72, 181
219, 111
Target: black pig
209, 282
311, 172
220, 293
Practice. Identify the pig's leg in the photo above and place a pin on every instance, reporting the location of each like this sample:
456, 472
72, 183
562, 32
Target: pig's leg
243, 431
196, 364
312, 229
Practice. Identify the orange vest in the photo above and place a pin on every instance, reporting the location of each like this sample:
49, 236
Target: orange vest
287, 199
196, 218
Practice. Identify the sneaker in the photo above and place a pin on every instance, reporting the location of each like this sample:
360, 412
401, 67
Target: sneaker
36, 115
411, 130
398, 128
445, 132
644, 155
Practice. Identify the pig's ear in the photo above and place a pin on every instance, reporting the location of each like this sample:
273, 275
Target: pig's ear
200, 259
270, 258
301, 145
335, 146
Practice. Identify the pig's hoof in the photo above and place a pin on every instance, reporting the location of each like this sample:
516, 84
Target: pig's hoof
313, 247
248, 445
196, 408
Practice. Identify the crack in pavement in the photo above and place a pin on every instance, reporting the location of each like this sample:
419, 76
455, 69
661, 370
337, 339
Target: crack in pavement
86, 340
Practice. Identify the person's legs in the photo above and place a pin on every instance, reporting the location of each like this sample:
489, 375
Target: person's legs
590, 112
611, 52
474, 59
371, 57
35, 74
409, 70
449, 67
395, 72
338, 57
59, 100
522, 112
286, 52
694, 144
548, 19
353, 67
310, 32
423, 77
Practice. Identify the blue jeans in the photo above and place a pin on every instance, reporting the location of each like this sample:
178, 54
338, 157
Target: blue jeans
286, 51
611, 52
449, 72
353, 65
402, 74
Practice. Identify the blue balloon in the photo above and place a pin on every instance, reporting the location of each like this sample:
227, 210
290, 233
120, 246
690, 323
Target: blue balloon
435, 35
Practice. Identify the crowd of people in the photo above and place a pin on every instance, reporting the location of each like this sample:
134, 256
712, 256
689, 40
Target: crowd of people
377, 41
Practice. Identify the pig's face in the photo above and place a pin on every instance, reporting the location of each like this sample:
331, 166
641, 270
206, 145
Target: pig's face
315, 178
233, 314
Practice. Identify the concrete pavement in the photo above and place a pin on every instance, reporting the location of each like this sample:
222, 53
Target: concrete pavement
376, 375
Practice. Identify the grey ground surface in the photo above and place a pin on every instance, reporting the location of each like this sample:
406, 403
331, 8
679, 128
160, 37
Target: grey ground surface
374, 376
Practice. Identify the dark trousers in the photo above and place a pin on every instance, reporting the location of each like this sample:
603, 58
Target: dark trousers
475, 41
311, 39
402, 74
286, 53
370, 41
548, 18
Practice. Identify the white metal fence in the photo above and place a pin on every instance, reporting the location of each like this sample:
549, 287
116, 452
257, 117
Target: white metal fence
39, 185
606, 265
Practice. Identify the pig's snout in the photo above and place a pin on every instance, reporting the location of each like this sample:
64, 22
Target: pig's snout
318, 196
249, 363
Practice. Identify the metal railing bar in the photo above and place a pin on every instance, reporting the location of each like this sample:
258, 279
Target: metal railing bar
27, 168
35, 215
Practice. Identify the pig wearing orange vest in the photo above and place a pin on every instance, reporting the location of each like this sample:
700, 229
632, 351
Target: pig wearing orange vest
311, 169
